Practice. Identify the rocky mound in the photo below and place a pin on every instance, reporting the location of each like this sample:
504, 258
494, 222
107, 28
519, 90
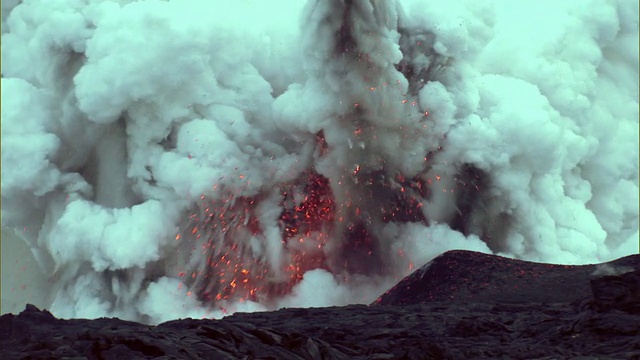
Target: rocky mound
462, 305
467, 276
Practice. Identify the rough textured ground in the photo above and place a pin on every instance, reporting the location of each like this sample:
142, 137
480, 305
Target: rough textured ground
462, 305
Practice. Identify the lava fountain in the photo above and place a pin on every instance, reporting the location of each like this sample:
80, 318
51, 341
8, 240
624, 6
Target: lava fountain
331, 215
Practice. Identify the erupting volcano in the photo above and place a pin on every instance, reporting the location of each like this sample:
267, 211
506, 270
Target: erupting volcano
166, 159
331, 215
228, 235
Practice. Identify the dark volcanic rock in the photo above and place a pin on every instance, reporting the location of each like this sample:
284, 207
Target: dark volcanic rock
621, 292
467, 276
463, 305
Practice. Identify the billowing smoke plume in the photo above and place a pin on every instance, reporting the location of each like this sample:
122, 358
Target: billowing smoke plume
166, 159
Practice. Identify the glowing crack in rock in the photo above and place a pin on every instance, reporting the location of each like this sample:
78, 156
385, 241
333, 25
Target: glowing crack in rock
167, 159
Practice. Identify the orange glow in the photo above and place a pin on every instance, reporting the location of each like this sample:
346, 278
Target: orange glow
308, 220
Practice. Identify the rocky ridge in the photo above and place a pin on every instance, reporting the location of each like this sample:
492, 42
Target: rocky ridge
462, 305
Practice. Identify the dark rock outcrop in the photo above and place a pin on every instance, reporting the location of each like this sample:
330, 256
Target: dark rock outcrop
463, 305
467, 276
620, 292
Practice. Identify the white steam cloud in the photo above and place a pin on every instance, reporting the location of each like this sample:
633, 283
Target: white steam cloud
178, 158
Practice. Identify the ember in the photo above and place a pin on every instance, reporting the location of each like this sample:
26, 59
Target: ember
230, 236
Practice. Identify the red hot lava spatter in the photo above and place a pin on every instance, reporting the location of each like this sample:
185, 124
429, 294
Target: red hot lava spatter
228, 241
306, 225
221, 234
227, 234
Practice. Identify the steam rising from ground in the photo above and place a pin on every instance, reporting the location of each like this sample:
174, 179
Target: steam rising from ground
166, 159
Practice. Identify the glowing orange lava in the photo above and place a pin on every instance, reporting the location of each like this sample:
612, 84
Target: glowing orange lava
223, 231
228, 240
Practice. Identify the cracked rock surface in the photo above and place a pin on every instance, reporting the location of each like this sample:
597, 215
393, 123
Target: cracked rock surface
462, 305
